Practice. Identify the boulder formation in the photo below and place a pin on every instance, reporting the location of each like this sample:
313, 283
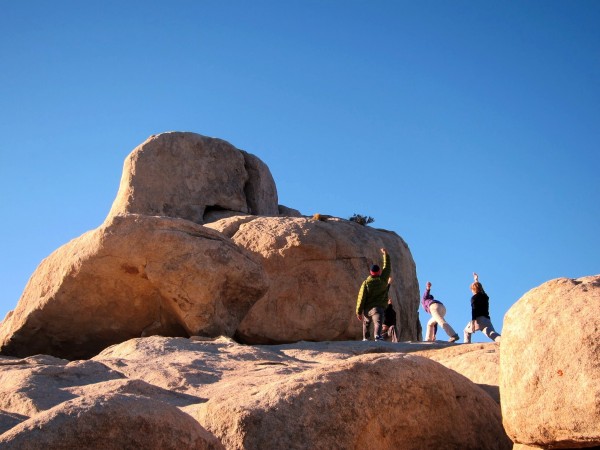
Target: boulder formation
550, 365
198, 393
195, 246
194, 239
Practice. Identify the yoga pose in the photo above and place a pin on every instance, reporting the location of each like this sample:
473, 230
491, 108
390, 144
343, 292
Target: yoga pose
480, 313
437, 311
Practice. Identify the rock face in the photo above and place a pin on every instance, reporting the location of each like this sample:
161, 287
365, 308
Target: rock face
190, 176
38, 383
362, 402
159, 392
135, 275
89, 422
315, 269
550, 365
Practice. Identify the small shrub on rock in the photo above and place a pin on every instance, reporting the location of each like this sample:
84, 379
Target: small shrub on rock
363, 220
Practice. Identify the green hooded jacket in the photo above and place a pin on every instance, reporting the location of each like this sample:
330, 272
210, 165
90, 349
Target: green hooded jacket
374, 290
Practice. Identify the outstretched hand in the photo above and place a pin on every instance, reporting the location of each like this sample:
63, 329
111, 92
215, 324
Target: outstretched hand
428, 285
383, 250
475, 277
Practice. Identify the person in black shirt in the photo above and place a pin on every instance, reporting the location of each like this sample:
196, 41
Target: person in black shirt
480, 313
389, 323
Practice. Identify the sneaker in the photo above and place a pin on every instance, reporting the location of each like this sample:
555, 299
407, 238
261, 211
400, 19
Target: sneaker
365, 339
379, 338
453, 338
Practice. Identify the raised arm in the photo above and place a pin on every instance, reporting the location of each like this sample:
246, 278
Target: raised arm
427, 289
426, 293
387, 266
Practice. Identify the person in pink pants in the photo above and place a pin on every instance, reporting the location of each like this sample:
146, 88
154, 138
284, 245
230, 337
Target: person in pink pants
437, 311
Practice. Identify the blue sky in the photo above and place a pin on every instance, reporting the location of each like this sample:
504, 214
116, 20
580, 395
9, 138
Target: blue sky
472, 129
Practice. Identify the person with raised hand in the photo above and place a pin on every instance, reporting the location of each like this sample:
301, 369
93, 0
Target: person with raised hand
372, 298
480, 313
438, 312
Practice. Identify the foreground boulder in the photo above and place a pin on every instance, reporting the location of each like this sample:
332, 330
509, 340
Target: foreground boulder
159, 392
135, 275
370, 401
110, 421
550, 365
315, 269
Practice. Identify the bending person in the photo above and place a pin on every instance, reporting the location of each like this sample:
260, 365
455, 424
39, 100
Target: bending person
437, 311
480, 313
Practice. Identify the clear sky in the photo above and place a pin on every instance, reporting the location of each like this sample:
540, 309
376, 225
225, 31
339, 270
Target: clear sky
472, 129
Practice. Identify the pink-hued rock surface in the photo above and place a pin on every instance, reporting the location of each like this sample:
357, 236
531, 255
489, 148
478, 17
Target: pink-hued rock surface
110, 421
480, 363
159, 392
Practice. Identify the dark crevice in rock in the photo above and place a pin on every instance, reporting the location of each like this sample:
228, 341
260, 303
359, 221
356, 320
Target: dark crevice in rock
212, 213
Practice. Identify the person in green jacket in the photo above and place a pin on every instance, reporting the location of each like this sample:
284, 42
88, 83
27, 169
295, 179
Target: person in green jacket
373, 297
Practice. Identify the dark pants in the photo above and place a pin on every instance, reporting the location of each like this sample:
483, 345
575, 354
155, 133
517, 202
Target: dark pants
374, 315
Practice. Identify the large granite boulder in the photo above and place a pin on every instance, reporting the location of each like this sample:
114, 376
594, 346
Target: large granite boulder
370, 401
191, 176
550, 365
315, 269
133, 276
159, 392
